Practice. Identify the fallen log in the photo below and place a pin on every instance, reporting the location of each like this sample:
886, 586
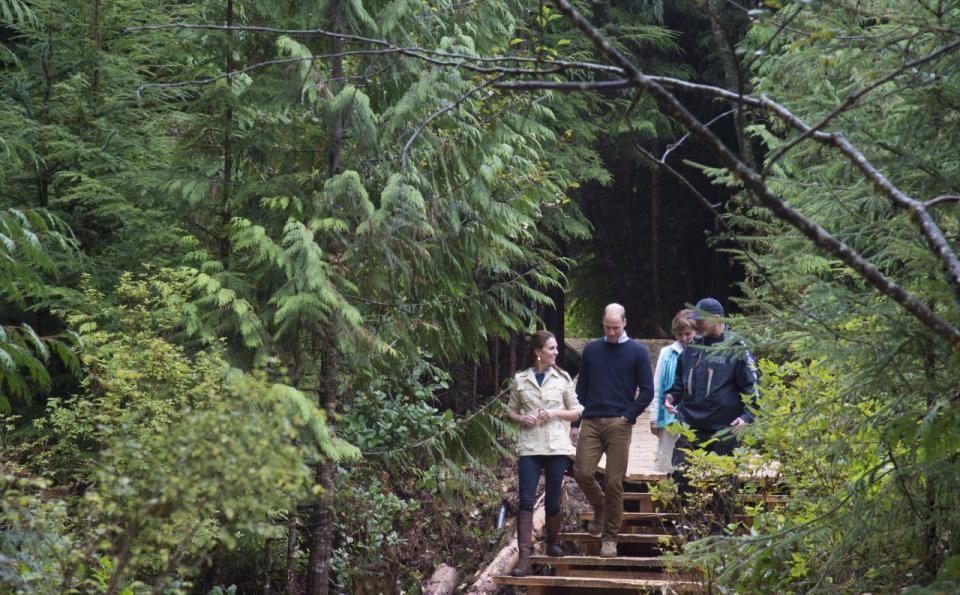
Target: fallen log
442, 582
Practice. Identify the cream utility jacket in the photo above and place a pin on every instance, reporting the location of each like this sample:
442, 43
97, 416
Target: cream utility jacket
552, 436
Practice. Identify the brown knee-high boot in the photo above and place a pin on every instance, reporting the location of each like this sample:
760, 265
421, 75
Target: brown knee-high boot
524, 532
551, 528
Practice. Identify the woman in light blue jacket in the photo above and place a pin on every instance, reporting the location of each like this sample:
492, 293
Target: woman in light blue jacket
682, 329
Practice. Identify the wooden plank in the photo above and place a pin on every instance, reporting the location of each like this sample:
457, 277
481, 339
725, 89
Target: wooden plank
573, 582
628, 561
621, 538
636, 516
617, 572
621, 573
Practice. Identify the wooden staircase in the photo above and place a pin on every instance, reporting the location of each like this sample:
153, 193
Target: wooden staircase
645, 534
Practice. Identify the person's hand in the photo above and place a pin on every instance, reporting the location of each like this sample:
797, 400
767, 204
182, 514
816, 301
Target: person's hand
668, 403
626, 421
574, 435
546, 414
654, 429
737, 425
529, 420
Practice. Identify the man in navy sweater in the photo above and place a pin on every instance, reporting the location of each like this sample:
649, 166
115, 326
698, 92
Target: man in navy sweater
612, 371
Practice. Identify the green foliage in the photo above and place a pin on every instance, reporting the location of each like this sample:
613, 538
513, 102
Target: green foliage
177, 453
30, 243
865, 422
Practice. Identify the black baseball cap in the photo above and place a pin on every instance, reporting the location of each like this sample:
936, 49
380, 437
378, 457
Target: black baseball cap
707, 308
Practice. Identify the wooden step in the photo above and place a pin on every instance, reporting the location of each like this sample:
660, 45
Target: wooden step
615, 572
621, 537
644, 477
597, 561
645, 496
568, 583
636, 516
633, 518
768, 498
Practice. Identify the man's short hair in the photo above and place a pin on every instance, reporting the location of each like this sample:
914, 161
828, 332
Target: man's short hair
682, 322
614, 309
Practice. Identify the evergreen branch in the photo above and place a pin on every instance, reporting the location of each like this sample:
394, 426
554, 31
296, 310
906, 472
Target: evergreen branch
452, 301
784, 25
852, 100
777, 205
442, 432
451, 106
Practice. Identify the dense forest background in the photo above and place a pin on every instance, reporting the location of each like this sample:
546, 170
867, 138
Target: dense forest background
267, 265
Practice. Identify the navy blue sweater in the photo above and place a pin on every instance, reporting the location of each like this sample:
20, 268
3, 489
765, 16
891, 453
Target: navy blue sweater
610, 375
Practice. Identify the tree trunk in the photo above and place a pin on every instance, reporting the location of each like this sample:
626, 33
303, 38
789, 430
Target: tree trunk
291, 566
96, 37
553, 317
733, 78
267, 564
225, 193
321, 541
933, 557
655, 187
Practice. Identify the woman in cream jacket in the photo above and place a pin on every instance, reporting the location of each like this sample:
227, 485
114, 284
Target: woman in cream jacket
543, 402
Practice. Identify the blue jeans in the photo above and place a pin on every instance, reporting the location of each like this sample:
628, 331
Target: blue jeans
529, 468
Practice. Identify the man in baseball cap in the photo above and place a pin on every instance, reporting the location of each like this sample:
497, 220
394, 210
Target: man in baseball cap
714, 389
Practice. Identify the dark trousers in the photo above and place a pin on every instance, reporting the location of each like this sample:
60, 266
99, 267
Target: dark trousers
529, 468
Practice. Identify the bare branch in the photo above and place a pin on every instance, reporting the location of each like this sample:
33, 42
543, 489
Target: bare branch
565, 86
820, 236
417, 52
941, 199
674, 146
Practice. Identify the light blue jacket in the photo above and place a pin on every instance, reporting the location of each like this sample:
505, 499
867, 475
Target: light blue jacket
662, 381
